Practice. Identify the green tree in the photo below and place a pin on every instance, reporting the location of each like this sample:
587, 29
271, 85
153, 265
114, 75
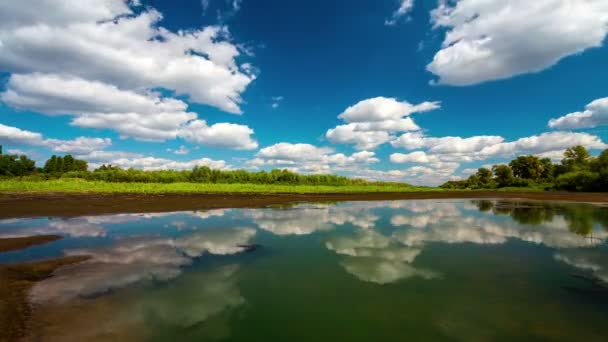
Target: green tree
503, 175
14, 165
576, 158
527, 167
65, 164
484, 175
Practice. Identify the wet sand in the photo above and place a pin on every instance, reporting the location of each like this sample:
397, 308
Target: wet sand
13, 244
17, 280
14, 205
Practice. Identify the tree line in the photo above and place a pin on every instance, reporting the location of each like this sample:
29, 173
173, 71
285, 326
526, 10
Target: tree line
577, 171
69, 167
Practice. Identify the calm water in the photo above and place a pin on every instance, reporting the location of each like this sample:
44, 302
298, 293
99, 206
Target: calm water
426, 270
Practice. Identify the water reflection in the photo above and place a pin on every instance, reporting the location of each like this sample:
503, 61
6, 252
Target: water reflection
176, 310
134, 260
168, 274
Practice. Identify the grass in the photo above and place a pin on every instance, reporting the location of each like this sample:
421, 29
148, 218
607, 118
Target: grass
83, 186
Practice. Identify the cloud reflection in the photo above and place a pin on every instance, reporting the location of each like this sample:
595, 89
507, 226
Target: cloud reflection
134, 260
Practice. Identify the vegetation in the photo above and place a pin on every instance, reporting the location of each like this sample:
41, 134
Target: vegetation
68, 174
79, 185
578, 171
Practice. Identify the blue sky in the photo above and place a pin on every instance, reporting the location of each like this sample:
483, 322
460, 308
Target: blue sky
416, 91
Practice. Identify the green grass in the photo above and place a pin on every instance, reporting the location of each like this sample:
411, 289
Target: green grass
83, 186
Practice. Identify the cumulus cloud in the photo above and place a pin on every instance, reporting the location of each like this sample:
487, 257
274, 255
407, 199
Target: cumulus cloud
447, 144
372, 122
310, 158
545, 142
496, 39
16, 136
153, 163
225, 135
413, 157
443, 155
382, 109
595, 114
100, 62
106, 41
483, 147
405, 7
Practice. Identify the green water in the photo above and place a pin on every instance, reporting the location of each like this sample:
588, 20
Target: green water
431, 270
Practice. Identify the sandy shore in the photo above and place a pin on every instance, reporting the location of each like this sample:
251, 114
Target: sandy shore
13, 205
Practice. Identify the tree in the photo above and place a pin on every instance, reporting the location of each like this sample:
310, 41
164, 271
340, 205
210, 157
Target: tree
484, 175
576, 158
503, 175
14, 165
68, 163
527, 167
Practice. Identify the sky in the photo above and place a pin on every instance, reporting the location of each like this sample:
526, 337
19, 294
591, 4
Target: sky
417, 91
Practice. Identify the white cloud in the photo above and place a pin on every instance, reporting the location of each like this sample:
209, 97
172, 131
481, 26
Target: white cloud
497, 39
413, 157
182, 150
545, 142
225, 135
153, 163
445, 144
100, 62
78, 145
347, 134
107, 42
382, 109
443, 155
287, 151
145, 117
595, 114
309, 158
372, 122
16, 136
405, 7
483, 147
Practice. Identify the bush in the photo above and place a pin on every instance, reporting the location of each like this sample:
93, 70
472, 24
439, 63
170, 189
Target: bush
578, 181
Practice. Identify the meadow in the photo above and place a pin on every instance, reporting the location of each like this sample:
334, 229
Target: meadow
84, 186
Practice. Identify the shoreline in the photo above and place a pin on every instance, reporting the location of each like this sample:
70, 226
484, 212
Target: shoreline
31, 204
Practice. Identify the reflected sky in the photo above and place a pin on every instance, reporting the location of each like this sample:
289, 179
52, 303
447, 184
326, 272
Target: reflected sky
162, 273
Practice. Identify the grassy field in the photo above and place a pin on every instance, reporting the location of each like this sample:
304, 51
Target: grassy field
82, 186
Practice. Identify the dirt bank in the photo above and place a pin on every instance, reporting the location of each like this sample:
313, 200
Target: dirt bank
69, 204
17, 280
13, 244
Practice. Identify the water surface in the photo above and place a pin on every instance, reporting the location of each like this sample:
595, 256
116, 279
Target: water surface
468, 270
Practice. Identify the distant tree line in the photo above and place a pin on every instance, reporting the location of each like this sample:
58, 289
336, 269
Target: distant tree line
70, 167
578, 171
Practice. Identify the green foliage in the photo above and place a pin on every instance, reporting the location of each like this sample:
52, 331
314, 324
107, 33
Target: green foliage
576, 158
80, 185
503, 175
578, 171
527, 167
578, 181
59, 165
12, 165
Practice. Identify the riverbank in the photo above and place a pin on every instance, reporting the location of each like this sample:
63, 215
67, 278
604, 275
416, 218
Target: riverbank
17, 280
32, 204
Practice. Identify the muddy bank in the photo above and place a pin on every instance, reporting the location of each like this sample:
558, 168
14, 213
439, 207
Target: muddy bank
68, 204
13, 244
17, 280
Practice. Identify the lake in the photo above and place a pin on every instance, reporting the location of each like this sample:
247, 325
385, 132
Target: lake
422, 270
